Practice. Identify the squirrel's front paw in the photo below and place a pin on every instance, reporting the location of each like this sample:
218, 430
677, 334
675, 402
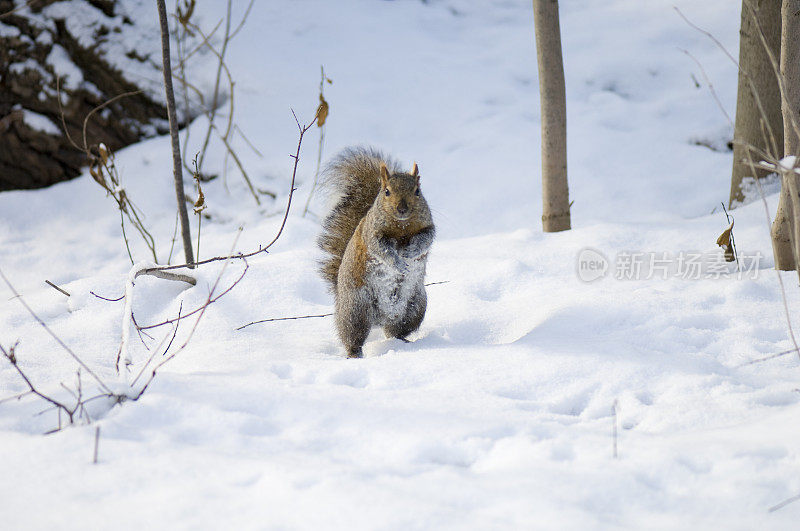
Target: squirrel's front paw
401, 265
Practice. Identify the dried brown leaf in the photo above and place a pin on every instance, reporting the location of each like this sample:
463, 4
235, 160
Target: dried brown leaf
201, 201
724, 241
97, 174
322, 111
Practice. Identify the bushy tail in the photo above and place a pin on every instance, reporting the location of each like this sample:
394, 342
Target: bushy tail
353, 178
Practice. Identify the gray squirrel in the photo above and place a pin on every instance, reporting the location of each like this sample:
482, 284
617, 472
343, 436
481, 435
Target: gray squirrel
377, 237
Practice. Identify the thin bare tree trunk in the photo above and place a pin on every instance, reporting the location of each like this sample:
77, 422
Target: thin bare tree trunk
555, 191
754, 62
781, 233
177, 168
786, 227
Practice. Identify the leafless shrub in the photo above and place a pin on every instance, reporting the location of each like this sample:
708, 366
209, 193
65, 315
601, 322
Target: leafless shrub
75, 409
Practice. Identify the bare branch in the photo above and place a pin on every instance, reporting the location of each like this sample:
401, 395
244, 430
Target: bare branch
208, 302
10, 355
770, 357
222, 294
127, 313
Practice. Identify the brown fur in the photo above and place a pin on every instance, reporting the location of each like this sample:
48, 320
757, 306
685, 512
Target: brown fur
359, 265
354, 174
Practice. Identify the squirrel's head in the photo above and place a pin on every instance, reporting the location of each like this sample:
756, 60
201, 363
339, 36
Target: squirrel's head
399, 193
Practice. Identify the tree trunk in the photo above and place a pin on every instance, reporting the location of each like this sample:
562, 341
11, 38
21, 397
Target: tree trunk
786, 227
756, 73
781, 231
177, 166
82, 50
552, 95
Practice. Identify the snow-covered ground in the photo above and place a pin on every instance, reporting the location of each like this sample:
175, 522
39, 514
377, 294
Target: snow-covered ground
500, 413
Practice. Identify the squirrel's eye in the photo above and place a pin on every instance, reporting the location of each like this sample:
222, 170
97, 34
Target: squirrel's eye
387, 192
416, 192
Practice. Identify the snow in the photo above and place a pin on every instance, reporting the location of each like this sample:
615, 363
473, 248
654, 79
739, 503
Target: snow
500, 413
71, 74
40, 122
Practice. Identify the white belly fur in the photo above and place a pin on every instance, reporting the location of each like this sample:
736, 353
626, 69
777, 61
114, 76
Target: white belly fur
391, 289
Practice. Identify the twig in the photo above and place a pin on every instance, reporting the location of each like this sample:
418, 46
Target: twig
312, 316
102, 106
61, 112
285, 319
296, 158
322, 109
197, 48
770, 357
240, 166
56, 287
784, 503
141, 332
164, 352
237, 129
708, 82
220, 66
174, 236
125, 236
16, 397
96, 443
244, 19
747, 75
107, 299
784, 298
733, 240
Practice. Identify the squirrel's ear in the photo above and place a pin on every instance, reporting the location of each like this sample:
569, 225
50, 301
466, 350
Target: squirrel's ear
384, 175
414, 170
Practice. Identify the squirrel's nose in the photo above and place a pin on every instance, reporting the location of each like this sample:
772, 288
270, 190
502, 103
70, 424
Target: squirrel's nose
402, 207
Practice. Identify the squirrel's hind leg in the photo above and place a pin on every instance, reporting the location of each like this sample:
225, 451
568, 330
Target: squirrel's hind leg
353, 324
411, 320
